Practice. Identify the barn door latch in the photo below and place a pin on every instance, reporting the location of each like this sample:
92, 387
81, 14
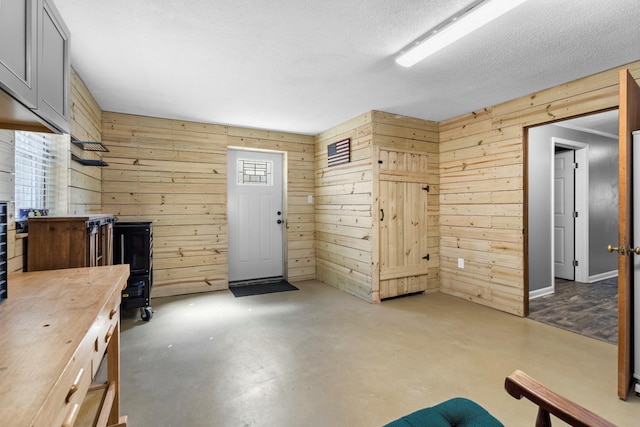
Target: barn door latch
426, 188
426, 257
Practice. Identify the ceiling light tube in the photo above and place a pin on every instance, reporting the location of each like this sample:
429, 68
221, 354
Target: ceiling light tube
458, 26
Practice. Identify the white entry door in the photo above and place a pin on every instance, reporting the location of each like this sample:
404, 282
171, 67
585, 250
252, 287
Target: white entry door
563, 226
256, 220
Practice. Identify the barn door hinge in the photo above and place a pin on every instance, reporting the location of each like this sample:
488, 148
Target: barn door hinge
575, 262
426, 257
426, 188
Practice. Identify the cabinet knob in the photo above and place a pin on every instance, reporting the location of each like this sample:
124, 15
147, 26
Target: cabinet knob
72, 415
75, 386
109, 334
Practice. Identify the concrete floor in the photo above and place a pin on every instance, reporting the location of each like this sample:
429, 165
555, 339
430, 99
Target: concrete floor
320, 357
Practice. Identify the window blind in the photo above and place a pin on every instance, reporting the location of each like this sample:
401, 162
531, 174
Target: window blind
33, 167
35, 170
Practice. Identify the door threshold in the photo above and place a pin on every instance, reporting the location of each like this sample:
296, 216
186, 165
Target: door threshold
263, 280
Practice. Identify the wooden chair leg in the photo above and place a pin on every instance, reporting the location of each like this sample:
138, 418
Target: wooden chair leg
543, 419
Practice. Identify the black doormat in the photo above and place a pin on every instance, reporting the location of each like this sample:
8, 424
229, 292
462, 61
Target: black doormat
261, 288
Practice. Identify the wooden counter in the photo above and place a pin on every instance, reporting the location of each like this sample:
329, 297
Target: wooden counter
55, 328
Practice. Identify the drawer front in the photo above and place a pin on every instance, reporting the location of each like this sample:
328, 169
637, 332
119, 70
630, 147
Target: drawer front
107, 325
71, 388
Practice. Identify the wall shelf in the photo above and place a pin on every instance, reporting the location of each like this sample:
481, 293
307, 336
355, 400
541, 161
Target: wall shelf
91, 146
88, 162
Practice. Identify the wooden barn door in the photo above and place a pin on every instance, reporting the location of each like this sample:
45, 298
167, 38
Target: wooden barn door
402, 222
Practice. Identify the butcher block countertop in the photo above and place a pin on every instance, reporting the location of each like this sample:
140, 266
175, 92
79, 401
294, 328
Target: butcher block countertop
45, 325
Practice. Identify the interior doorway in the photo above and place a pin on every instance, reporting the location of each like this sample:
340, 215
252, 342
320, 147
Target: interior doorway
586, 148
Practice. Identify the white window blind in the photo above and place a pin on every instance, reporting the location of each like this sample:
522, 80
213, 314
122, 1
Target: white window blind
37, 171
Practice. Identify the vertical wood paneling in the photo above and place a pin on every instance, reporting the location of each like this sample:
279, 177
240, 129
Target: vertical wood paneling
346, 206
174, 173
482, 188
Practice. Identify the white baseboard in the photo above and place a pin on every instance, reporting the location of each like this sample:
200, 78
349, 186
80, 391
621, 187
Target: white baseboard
603, 276
541, 292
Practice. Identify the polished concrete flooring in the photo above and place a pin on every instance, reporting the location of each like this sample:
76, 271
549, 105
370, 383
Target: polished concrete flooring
320, 357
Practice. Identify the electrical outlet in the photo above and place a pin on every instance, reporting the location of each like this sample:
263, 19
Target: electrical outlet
310, 198
460, 262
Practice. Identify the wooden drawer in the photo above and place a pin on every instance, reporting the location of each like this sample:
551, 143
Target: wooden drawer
70, 389
106, 326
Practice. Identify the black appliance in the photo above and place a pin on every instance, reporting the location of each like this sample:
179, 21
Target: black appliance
133, 245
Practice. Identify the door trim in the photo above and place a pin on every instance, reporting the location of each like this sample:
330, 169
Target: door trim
285, 203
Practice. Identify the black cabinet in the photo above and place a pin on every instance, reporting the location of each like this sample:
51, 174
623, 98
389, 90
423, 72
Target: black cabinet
133, 245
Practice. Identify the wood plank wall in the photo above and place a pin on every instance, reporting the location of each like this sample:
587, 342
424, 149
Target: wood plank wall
15, 247
410, 134
7, 165
482, 194
344, 201
174, 173
85, 182
345, 223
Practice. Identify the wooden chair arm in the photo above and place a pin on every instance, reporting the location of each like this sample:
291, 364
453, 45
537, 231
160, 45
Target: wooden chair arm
519, 385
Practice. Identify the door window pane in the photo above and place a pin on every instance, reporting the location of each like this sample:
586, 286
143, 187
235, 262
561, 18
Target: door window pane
255, 172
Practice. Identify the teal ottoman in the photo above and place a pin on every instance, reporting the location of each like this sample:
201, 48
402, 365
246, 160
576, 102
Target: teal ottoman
457, 412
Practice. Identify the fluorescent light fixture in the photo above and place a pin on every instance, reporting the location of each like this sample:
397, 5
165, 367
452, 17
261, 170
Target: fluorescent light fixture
461, 24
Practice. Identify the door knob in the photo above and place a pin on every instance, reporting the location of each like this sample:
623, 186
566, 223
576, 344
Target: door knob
619, 249
635, 250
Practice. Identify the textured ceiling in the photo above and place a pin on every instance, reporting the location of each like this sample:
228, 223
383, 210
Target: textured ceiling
305, 66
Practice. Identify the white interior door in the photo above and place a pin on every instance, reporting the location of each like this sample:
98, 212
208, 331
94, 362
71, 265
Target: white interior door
563, 227
256, 220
